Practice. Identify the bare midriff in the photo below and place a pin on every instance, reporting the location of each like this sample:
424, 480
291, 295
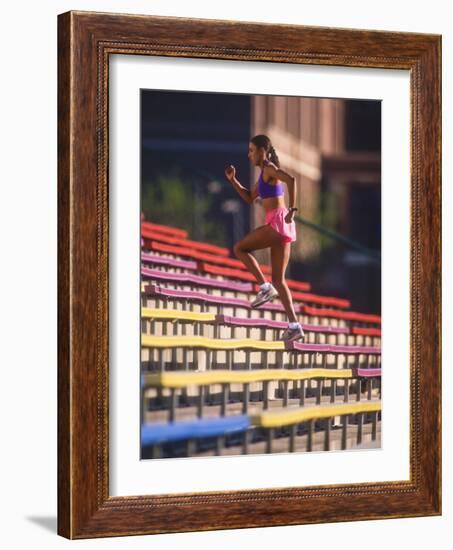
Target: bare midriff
273, 202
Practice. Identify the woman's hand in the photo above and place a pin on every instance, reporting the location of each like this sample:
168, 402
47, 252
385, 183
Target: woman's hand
289, 216
230, 172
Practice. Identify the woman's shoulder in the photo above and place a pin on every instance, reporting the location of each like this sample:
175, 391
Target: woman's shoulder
269, 164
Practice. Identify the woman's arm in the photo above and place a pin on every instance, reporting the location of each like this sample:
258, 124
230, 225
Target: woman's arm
243, 192
246, 195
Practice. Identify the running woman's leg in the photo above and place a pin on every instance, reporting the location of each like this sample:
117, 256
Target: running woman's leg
261, 237
279, 259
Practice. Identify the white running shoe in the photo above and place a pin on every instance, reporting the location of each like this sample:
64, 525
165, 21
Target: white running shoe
264, 296
292, 334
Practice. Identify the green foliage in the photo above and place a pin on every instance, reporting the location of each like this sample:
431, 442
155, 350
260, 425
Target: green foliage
328, 217
180, 202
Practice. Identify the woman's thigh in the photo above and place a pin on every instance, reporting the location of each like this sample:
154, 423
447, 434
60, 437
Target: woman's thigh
261, 237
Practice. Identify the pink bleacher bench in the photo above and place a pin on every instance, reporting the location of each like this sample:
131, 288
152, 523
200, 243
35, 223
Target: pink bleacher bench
323, 300
178, 241
366, 331
173, 231
245, 275
191, 253
346, 315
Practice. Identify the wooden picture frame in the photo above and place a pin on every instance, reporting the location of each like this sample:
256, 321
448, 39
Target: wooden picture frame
85, 41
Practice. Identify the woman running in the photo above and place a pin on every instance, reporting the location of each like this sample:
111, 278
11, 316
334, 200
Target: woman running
277, 234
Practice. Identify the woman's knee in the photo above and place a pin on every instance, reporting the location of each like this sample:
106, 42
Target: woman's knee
238, 249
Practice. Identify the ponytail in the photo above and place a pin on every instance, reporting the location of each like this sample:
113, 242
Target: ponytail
273, 155
264, 142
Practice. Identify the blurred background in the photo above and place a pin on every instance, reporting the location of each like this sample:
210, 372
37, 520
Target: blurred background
331, 146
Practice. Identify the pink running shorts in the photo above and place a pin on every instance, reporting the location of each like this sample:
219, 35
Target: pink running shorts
276, 219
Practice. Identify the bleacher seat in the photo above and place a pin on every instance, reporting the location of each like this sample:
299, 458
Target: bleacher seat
216, 379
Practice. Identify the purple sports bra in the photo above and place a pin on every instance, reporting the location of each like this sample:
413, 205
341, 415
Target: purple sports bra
267, 190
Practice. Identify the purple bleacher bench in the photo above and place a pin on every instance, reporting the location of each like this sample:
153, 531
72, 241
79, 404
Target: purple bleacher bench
155, 290
353, 350
196, 279
269, 323
162, 260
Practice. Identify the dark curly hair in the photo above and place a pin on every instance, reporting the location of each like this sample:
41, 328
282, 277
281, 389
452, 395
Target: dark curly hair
263, 141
